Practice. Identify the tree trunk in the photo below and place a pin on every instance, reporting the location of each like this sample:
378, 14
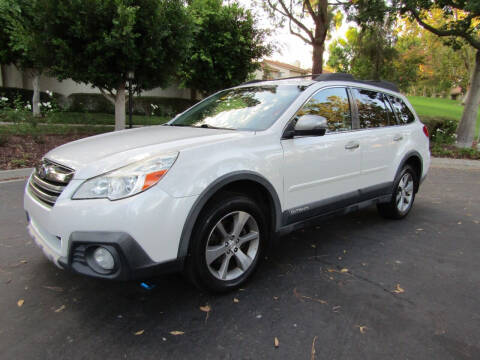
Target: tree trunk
317, 58
120, 108
36, 94
466, 128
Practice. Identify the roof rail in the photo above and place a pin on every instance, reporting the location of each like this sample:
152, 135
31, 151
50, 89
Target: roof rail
285, 78
337, 77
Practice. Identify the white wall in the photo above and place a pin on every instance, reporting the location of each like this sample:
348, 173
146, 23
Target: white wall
15, 78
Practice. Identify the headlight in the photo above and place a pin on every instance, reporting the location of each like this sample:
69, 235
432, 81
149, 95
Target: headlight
127, 181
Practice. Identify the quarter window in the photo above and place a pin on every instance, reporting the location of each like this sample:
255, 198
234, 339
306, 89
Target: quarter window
333, 105
372, 110
404, 114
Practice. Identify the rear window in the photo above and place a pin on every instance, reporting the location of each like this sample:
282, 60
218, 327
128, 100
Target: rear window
372, 110
404, 114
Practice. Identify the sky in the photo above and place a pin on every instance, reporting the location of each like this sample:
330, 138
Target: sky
291, 48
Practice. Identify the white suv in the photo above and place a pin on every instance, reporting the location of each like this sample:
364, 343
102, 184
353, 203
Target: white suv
206, 192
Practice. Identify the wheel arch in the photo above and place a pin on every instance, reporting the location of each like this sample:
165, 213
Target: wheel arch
414, 159
235, 181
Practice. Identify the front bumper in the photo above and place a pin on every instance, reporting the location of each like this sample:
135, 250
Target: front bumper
142, 231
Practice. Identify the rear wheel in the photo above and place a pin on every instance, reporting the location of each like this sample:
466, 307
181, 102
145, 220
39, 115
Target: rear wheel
403, 195
227, 243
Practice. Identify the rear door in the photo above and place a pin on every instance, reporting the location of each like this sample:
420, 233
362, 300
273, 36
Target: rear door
318, 170
376, 134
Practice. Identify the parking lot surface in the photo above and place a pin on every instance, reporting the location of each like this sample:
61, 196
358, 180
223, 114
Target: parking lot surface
353, 287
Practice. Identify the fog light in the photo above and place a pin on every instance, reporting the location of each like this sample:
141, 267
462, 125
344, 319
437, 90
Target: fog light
104, 258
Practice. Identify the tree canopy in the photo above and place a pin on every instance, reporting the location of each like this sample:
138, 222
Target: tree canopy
226, 46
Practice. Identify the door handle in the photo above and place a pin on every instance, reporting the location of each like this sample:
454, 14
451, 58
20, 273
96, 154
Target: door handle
352, 145
397, 137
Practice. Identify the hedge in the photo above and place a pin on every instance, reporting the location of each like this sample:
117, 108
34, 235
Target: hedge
142, 105
26, 95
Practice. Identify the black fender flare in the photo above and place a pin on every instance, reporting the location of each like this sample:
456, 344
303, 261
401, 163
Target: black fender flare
406, 157
207, 194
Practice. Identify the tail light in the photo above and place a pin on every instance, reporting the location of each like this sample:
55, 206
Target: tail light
425, 131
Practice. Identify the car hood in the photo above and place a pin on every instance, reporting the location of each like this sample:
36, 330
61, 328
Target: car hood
101, 153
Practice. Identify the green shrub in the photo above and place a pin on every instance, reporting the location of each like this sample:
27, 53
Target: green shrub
95, 103
143, 105
442, 130
25, 95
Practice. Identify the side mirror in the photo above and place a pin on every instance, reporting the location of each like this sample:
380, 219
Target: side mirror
310, 125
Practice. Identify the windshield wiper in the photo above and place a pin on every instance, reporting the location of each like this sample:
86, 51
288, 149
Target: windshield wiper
206, 126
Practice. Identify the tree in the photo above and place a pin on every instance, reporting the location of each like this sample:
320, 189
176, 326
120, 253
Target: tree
226, 46
99, 42
298, 14
461, 23
23, 41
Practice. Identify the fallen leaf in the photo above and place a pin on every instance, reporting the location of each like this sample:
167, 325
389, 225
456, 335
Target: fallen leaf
275, 298
330, 270
314, 246
476, 221
419, 229
23, 261
398, 289
459, 223
313, 349
20, 302
276, 342
344, 270
362, 328
60, 309
336, 308
301, 297
176, 332
139, 332
235, 300
205, 308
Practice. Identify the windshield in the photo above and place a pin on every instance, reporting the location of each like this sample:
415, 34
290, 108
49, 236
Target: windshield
246, 108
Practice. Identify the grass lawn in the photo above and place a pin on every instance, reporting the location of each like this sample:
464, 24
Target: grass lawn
436, 107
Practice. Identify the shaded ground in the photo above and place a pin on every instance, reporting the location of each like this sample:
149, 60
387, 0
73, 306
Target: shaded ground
299, 294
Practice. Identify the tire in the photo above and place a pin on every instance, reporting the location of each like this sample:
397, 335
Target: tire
405, 186
222, 256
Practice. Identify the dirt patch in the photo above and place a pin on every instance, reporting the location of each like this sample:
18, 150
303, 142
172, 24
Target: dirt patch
27, 150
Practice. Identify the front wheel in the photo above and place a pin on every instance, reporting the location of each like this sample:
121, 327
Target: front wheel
403, 195
227, 243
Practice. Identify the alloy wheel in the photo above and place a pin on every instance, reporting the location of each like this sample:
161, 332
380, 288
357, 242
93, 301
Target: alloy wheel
232, 245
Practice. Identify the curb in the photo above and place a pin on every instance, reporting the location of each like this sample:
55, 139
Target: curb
461, 164
15, 174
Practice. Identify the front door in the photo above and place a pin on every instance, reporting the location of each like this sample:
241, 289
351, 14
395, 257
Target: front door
320, 170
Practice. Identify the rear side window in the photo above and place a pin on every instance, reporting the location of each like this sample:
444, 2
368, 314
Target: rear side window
372, 110
333, 105
404, 114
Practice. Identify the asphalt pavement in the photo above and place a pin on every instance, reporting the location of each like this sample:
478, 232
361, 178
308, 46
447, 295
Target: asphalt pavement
353, 287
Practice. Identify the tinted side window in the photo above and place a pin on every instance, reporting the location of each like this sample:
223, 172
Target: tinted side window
333, 105
372, 111
404, 114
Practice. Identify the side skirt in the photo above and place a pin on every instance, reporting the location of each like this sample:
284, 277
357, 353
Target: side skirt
312, 213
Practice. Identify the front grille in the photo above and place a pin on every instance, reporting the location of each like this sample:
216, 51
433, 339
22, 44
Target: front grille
48, 181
